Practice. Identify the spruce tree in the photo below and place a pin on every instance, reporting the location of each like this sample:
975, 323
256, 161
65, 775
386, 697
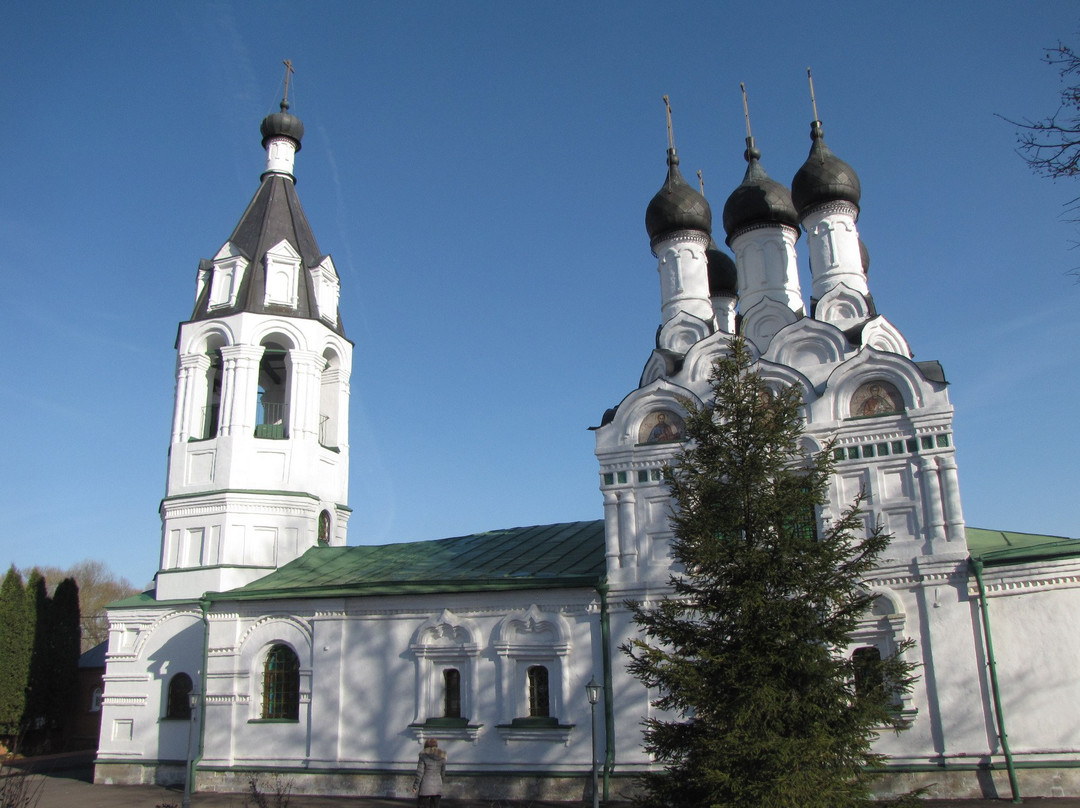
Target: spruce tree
748, 654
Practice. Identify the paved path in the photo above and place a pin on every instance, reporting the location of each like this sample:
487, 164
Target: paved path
66, 783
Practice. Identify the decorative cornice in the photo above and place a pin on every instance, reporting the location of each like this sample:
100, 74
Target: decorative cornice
1016, 586
126, 677
835, 206
123, 701
762, 226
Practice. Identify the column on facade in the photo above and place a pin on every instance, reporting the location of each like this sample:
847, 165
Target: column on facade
950, 489
337, 379
305, 375
193, 367
628, 527
931, 489
611, 530
239, 388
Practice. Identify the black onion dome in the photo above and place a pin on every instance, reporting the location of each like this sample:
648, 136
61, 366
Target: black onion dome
723, 277
758, 200
676, 206
282, 124
824, 177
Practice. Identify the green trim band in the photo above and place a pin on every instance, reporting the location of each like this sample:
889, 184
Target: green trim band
407, 771
902, 768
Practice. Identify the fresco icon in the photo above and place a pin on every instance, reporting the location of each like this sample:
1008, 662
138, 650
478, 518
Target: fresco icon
876, 398
661, 427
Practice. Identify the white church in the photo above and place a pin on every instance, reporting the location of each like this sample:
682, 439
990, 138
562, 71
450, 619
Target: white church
331, 664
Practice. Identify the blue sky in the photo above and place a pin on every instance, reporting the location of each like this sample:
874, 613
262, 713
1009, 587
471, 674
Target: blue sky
479, 172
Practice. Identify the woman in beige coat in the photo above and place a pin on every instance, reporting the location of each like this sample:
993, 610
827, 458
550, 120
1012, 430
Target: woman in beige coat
430, 769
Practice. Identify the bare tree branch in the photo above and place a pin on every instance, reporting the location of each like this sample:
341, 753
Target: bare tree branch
1051, 146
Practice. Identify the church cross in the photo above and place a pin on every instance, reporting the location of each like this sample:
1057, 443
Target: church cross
813, 100
288, 70
670, 136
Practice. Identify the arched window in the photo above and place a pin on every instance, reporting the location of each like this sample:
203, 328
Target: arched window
281, 684
178, 705
451, 693
211, 413
866, 663
272, 417
324, 528
539, 706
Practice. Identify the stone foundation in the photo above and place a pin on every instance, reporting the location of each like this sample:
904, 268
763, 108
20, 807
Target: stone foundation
942, 783
130, 773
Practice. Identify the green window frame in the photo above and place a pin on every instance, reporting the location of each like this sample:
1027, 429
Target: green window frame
281, 684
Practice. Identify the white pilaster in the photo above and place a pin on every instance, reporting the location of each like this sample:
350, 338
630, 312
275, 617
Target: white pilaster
931, 488
950, 489
305, 373
611, 530
239, 388
628, 528
192, 368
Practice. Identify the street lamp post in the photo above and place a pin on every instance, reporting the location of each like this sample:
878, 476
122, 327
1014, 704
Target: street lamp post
193, 702
592, 690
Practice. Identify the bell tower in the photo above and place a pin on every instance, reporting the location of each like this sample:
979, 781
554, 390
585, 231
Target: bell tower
259, 455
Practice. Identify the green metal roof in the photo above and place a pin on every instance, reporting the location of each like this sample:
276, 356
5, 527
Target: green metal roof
565, 555
999, 547
570, 554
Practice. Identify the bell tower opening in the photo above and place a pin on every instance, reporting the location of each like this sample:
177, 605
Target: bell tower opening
272, 416
211, 412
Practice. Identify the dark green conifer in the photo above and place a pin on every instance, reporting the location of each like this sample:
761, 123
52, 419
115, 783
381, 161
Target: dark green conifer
64, 642
750, 654
38, 625
15, 641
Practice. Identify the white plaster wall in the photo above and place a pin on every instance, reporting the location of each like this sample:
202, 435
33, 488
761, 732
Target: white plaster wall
1035, 622
355, 654
147, 646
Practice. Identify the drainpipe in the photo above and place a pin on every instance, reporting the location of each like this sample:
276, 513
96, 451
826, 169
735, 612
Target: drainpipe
995, 689
609, 710
205, 606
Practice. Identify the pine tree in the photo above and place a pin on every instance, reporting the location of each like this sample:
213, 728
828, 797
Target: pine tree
747, 655
15, 640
